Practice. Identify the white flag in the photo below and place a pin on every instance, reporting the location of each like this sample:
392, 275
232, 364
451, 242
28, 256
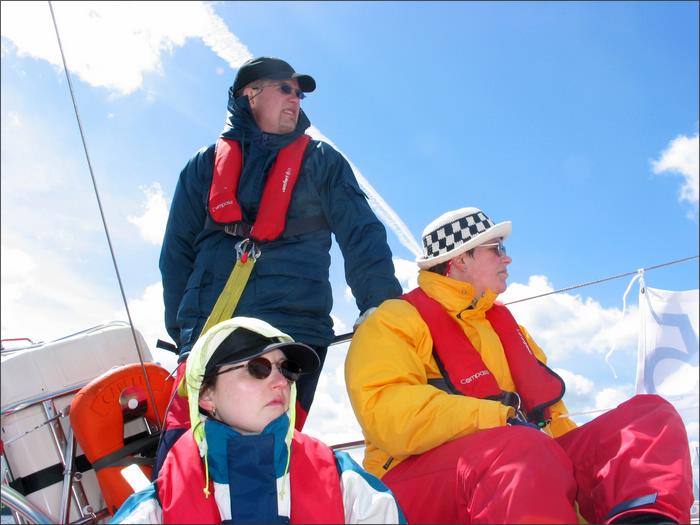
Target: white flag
667, 354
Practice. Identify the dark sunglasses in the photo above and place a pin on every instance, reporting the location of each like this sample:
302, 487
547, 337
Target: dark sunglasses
288, 90
261, 368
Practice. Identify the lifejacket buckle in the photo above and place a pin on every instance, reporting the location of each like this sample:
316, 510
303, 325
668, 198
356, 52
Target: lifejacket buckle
245, 249
238, 229
512, 399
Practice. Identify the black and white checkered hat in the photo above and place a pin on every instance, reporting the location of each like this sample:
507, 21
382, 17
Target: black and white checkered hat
456, 232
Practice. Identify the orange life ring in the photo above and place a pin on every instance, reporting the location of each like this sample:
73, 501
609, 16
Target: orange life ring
97, 415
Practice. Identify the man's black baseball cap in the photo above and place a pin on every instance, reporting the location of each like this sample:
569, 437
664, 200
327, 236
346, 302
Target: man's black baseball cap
273, 69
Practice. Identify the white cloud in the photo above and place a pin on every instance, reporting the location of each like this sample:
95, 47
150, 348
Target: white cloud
147, 314
406, 272
17, 266
579, 396
681, 157
151, 223
48, 171
332, 418
609, 398
28, 25
576, 385
564, 324
587, 401
114, 44
348, 294
693, 429
339, 326
14, 119
43, 298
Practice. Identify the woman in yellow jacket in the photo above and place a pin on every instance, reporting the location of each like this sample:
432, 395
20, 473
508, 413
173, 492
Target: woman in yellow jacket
465, 423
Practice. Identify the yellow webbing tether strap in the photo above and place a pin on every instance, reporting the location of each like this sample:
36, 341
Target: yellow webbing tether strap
246, 255
230, 295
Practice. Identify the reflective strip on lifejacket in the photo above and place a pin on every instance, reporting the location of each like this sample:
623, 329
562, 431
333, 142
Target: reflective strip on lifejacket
274, 204
97, 418
465, 372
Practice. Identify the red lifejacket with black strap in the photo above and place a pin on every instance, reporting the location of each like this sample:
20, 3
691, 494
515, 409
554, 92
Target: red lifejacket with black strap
538, 386
272, 214
314, 484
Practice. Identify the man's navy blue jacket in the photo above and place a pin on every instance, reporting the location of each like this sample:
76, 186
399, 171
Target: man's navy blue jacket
289, 287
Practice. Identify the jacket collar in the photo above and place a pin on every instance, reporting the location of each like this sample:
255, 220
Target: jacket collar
457, 297
220, 434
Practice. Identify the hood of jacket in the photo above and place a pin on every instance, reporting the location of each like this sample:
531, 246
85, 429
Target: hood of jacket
240, 125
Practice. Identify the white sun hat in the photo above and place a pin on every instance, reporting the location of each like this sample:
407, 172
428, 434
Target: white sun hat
456, 232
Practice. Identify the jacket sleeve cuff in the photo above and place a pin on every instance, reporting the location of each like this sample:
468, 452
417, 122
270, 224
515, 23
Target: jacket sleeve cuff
494, 414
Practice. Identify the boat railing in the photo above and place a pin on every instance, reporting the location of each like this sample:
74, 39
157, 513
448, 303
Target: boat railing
20, 505
73, 493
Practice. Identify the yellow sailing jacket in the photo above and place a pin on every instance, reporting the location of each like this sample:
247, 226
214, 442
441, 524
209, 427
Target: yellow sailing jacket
391, 359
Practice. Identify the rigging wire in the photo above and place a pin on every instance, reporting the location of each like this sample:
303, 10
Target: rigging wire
104, 221
597, 281
346, 337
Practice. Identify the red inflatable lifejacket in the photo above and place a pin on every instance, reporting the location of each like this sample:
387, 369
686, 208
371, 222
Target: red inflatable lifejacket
272, 213
97, 415
538, 386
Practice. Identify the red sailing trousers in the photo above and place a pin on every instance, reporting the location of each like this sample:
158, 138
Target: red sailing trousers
634, 458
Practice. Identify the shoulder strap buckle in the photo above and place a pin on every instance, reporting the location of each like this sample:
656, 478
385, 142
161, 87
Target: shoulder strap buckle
238, 229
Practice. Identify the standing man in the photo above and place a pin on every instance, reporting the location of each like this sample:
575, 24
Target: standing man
266, 196
465, 423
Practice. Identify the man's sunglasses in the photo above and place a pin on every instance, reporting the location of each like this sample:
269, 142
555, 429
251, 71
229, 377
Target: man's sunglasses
286, 89
497, 247
261, 368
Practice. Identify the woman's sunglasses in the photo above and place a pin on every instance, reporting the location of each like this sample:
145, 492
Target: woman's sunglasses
261, 368
497, 247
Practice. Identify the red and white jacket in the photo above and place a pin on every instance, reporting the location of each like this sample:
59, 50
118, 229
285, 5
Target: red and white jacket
249, 482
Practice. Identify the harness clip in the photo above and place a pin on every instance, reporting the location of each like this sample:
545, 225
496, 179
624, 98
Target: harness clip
512, 399
245, 249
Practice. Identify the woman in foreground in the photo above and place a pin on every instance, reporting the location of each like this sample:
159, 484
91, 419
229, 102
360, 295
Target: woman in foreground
242, 461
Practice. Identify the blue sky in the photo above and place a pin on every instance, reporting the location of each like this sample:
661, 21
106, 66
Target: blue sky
576, 121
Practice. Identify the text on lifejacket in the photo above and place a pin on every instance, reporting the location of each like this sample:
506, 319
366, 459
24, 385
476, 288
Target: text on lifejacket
222, 205
480, 373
